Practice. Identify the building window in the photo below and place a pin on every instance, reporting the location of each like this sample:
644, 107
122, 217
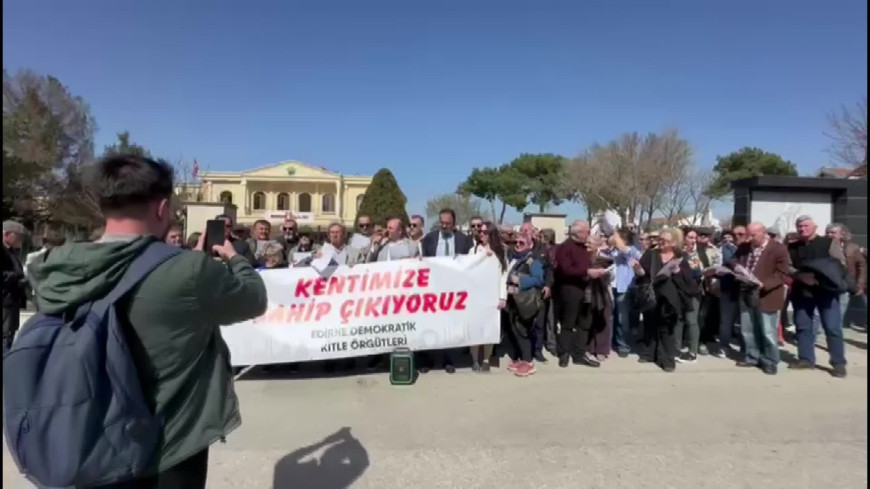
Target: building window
359, 199
305, 202
328, 204
283, 202
259, 201
226, 197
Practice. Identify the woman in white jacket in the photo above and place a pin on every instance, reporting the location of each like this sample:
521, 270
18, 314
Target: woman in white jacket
489, 243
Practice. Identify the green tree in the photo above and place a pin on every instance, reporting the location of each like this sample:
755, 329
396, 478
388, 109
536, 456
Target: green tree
504, 184
543, 178
383, 199
746, 163
464, 206
125, 147
482, 183
47, 135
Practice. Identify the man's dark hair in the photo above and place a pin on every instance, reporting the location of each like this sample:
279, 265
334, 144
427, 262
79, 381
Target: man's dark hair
262, 221
222, 217
448, 211
125, 184
418, 216
475, 218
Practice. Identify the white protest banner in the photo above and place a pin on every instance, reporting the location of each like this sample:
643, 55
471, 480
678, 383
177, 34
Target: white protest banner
434, 303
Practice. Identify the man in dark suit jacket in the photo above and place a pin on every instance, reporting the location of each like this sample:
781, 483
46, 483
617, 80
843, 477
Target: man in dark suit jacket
446, 241
768, 261
13, 281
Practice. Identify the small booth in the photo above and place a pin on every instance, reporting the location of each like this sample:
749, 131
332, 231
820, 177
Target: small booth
778, 201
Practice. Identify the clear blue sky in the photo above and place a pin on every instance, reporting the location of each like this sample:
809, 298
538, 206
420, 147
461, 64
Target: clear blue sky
431, 89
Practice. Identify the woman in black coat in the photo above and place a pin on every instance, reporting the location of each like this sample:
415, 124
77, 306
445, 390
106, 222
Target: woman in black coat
666, 287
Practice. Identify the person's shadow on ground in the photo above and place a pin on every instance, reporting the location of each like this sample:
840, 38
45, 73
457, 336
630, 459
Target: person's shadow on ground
342, 459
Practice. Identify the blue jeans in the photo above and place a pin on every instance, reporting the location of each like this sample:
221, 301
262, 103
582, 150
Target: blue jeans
758, 330
828, 305
844, 306
623, 305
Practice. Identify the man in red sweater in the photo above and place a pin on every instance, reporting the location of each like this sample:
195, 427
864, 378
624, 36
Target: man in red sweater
572, 275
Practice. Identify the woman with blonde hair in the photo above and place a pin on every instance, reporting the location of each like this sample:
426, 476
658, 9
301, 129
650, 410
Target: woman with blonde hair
665, 292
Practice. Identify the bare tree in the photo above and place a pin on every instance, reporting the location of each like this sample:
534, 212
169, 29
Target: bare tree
848, 134
699, 200
665, 166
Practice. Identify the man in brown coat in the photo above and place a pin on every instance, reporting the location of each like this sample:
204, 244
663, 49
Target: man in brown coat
761, 301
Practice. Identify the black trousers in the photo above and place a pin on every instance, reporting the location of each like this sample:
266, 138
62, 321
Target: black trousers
576, 320
190, 474
708, 319
659, 344
11, 322
520, 336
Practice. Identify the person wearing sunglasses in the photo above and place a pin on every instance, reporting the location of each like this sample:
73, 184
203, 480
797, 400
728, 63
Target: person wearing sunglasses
525, 278
475, 225
415, 230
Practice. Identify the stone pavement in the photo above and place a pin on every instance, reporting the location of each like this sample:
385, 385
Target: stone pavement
625, 425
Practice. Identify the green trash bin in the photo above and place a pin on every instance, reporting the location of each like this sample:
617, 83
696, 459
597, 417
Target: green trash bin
402, 366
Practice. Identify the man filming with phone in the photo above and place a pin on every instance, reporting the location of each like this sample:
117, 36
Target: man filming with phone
171, 319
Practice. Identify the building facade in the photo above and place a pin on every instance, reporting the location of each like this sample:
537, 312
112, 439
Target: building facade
314, 196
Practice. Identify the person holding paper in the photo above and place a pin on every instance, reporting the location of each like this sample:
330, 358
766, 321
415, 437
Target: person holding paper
762, 267
625, 258
675, 287
336, 250
817, 262
688, 328
261, 239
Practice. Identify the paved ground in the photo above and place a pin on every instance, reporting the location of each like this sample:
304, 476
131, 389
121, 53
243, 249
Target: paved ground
626, 425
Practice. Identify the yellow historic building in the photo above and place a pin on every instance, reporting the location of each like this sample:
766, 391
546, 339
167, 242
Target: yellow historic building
315, 196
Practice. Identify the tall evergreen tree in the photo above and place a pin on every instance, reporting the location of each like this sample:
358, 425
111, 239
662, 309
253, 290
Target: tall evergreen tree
383, 200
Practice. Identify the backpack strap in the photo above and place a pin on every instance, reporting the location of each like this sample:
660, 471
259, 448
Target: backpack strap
154, 255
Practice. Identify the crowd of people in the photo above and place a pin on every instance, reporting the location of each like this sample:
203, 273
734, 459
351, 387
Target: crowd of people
666, 296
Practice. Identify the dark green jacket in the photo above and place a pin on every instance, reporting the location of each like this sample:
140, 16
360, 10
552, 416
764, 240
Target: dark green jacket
173, 331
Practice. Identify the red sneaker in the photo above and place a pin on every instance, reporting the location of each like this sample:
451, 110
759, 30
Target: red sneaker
513, 366
525, 369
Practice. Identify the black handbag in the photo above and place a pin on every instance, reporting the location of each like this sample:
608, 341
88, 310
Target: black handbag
528, 303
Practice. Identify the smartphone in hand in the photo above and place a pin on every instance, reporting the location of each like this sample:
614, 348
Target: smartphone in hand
214, 235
